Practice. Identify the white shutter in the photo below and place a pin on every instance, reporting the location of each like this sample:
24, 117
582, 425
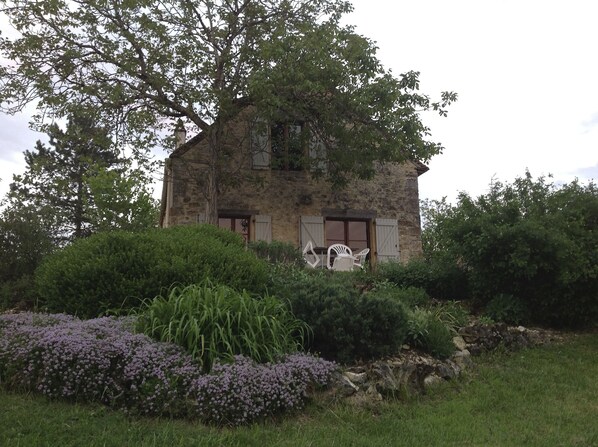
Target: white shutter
387, 239
260, 150
312, 229
201, 218
317, 153
263, 228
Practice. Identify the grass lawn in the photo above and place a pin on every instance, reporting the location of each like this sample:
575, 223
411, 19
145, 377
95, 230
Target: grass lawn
539, 397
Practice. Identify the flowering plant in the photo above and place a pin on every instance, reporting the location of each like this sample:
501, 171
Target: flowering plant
103, 360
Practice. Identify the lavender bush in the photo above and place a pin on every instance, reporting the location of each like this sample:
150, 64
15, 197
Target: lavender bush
103, 360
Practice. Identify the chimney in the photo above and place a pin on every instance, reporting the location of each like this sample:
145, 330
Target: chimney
180, 134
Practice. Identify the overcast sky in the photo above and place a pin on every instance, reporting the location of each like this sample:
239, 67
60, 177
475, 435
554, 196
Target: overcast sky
526, 72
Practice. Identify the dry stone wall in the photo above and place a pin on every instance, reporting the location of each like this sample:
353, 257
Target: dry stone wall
288, 195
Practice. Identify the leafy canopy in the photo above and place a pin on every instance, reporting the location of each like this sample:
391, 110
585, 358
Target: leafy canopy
531, 239
143, 63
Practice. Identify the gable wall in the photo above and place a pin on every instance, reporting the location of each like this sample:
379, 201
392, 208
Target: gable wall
287, 195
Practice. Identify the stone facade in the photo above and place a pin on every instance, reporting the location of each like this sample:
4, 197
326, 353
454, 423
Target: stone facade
292, 206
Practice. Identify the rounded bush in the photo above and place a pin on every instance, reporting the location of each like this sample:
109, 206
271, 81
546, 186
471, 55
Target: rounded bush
117, 270
346, 324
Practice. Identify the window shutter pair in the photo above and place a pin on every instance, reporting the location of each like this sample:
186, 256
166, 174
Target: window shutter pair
387, 236
260, 148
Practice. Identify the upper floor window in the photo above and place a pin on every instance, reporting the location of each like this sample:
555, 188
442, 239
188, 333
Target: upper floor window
287, 146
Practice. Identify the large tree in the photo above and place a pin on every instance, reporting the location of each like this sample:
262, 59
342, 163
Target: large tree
142, 62
78, 183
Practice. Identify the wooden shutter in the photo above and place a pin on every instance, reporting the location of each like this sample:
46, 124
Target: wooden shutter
312, 229
263, 228
260, 149
387, 240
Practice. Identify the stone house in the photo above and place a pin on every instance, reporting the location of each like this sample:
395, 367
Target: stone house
276, 196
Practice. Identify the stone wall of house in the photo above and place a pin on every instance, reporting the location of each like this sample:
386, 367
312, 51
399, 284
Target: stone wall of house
288, 195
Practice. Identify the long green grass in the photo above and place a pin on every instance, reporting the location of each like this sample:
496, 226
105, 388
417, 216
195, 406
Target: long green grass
538, 397
214, 321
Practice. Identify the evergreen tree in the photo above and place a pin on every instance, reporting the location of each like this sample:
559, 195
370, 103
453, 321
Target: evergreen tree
79, 183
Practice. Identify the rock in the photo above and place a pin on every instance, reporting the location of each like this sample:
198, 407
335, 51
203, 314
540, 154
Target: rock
459, 343
356, 377
463, 359
347, 387
372, 393
448, 370
432, 380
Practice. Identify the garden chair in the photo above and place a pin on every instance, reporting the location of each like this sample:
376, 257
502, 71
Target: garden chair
360, 258
341, 256
310, 256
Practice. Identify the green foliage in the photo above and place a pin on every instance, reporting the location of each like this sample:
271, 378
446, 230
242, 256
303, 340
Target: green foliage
439, 340
18, 293
292, 60
80, 184
24, 241
410, 296
277, 252
347, 324
427, 332
507, 309
452, 314
115, 270
529, 239
216, 322
439, 278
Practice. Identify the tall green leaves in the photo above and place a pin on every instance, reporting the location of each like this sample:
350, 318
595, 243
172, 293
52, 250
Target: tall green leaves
216, 322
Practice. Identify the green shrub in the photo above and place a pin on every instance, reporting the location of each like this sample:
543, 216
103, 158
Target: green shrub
117, 270
439, 340
530, 239
277, 253
452, 314
440, 279
347, 325
427, 332
507, 309
18, 293
215, 322
410, 296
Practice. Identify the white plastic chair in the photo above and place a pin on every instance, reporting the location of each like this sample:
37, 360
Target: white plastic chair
360, 258
343, 258
343, 263
308, 252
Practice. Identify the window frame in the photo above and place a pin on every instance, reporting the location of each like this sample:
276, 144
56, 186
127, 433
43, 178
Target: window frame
283, 160
346, 233
234, 218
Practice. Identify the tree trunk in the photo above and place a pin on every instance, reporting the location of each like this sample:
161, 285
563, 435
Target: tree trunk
211, 183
